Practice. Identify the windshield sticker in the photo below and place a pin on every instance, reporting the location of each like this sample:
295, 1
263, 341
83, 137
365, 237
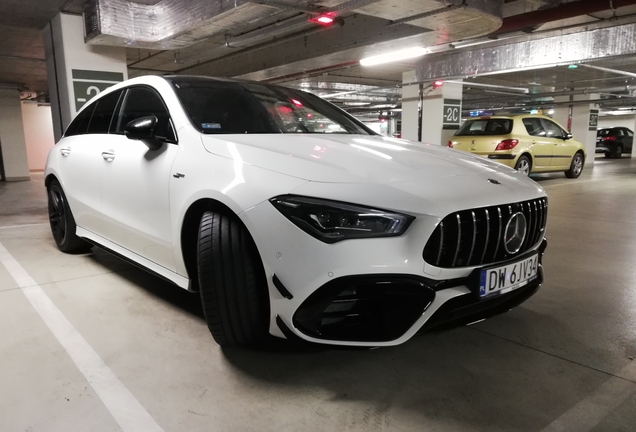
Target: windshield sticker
210, 125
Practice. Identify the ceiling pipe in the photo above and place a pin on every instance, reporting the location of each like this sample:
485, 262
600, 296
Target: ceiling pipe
531, 98
604, 69
561, 12
428, 14
495, 86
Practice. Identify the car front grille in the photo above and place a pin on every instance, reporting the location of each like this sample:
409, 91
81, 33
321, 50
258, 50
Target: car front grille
477, 237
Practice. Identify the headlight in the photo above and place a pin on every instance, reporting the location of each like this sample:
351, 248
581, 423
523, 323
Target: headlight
332, 221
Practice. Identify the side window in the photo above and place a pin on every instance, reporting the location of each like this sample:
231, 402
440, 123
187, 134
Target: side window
534, 127
103, 113
142, 102
620, 132
629, 133
553, 130
79, 125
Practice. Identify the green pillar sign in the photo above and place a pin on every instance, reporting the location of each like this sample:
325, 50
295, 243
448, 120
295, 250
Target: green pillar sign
593, 120
87, 84
452, 114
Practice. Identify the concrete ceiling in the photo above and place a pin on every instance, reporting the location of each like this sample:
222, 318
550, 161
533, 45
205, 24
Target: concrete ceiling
325, 60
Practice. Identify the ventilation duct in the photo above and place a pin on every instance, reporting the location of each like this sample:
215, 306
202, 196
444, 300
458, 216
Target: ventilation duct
169, 24
579, 47
174, 24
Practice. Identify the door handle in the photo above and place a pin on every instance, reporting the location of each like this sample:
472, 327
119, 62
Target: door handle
65, 151
108, 155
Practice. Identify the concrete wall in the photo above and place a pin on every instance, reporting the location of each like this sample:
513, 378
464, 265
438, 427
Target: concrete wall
12, 140
38, 134
627, 121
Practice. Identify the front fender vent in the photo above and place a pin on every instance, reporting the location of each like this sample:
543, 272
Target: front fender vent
476, 237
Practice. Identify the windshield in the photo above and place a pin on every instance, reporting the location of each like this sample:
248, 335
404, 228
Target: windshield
228, 107
499, 126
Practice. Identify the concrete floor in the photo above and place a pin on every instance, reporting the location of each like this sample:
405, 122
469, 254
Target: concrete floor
563, 361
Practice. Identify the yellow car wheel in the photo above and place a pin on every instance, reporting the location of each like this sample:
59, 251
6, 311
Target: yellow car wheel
523, 165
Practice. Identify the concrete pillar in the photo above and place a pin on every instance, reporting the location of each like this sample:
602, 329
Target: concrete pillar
410, 107
77, 71
582, 122
429, 114
633, 128
12, 144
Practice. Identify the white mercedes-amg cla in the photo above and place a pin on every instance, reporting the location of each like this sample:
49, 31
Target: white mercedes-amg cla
290, 217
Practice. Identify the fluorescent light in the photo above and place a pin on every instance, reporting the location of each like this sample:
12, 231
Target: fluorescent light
394, 56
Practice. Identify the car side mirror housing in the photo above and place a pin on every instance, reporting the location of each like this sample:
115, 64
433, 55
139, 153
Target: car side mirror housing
143, 129
568, 136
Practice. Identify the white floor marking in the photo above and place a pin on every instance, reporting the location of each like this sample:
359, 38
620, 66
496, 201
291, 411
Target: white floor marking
590, 411
21, 226
124, 407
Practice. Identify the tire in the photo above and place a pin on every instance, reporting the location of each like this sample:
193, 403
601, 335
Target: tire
618, 152
523, 165
232, 282
607, 154
576, 167
62, 222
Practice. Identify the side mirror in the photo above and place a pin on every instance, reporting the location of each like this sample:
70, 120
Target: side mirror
568, 136
143, 129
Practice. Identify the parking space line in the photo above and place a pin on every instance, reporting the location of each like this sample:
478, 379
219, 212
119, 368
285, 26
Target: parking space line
590, 411
22, 226
120, 402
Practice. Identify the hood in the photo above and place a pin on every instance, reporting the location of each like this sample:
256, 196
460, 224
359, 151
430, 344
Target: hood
350, 158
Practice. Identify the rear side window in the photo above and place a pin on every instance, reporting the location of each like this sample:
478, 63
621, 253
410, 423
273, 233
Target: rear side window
485, 127
103, 113
141, 102
553, 130
534, 126
629, 133
79, 125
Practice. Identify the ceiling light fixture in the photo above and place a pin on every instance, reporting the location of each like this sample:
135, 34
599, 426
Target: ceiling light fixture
404, 54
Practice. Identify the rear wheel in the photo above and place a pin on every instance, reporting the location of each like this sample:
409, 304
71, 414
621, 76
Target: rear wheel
232, 281
523, 165
62, 221
576, 167
618, 152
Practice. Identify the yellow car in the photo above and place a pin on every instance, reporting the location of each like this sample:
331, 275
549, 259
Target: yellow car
528, 143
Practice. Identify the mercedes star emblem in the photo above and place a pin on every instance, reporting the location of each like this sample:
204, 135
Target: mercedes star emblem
515, 233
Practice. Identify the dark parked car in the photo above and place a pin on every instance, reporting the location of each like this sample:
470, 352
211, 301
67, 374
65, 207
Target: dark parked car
613, 142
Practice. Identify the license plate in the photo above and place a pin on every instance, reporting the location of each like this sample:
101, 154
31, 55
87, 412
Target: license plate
500, 280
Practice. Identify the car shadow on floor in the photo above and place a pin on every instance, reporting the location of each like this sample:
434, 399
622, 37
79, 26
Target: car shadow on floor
158, 287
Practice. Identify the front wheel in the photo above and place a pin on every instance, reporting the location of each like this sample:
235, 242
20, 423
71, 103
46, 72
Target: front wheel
62, 221
576, 167
523, 165
232, 281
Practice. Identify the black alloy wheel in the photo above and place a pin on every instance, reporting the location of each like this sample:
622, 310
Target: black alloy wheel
618, 152
62, 221
232, 281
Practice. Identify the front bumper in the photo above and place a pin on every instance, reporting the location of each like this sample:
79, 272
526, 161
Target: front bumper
383, 310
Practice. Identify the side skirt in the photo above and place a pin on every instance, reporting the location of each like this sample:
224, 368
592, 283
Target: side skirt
134, 259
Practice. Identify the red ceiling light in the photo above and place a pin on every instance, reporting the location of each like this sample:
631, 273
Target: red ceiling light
297, 102
438, 83
325, 19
